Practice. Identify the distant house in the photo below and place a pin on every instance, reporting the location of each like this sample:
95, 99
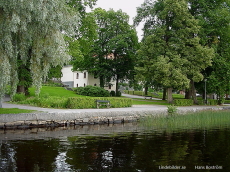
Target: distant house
74, 79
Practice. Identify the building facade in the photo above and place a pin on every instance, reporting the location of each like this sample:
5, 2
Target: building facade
73, 79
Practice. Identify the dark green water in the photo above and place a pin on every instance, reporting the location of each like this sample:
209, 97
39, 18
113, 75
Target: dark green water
136, 150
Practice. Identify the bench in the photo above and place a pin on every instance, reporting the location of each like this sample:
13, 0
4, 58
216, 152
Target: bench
102, 103
155, 94
150, 97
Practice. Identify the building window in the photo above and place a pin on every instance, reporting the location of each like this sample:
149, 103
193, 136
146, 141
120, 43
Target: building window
84, 74
110, 86
77, 76
95, 84
77, 85
84, 84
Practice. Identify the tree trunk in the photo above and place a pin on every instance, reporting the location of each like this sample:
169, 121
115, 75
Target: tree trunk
188, 94
0, 102
193, 92
164, 94
117, 82
23, 89
146, 90
169, 95
102, 82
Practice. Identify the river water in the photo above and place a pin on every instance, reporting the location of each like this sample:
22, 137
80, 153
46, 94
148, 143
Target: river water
116, 148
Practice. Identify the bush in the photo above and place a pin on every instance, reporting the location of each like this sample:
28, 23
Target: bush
92, 91
112, 93
201, 102
19, 97
89, 102
212, 102
172, 110
75, 102
139, 93
118, 94
183, 102
46, 102
209, 102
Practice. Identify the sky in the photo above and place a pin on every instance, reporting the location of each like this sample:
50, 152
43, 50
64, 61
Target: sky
127, 6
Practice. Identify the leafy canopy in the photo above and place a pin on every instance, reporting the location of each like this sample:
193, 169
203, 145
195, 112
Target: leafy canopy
33, 30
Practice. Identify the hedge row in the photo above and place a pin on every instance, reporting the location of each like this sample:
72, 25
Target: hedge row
92, 91
89, 102
189, 102
209, 102
76, 102
183, 102
46, 102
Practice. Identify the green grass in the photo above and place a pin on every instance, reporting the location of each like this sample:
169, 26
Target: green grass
227, 101
14, 111
59, 97
54, 91
199, 120
175, 96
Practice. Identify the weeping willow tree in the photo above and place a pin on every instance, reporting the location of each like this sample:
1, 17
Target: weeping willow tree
33, 31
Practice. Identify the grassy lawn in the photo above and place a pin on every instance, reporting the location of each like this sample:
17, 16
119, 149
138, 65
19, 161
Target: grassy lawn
54, 91
175, 96
14, 111
62, 92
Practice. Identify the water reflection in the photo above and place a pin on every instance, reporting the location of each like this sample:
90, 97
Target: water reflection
141, 150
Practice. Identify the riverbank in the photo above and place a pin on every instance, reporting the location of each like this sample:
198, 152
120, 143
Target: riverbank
47, 117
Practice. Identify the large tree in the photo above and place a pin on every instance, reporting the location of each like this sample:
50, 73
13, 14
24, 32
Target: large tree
112, 53
33, 30
214, 18
171, 47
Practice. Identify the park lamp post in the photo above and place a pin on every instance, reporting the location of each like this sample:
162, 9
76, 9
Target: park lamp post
205, 94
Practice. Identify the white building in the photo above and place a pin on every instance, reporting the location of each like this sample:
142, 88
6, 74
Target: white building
81, 79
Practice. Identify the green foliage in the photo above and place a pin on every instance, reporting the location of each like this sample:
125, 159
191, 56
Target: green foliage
118, 94
46, 102
92, 91
33, 31
24, 75
212, 15
201, 102
89, 102
19, 97
172, 109
55, 72
74, 102
171, 54
112, 93
183, 102
112, 54
209, 102
212, 102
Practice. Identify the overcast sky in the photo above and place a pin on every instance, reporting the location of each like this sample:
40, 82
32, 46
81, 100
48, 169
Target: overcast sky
127, 6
